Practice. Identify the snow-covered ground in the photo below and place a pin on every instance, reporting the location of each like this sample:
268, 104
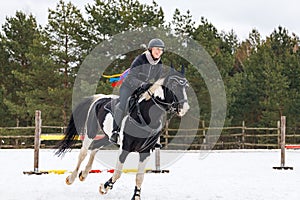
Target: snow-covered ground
222, 175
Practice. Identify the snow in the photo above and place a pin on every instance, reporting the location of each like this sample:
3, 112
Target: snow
221, 175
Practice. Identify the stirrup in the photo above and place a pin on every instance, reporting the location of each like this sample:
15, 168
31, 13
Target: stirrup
114, 137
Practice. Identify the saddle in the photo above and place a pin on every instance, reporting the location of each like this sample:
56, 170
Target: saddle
110, 106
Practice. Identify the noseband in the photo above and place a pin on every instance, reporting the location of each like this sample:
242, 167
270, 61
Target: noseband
174, 106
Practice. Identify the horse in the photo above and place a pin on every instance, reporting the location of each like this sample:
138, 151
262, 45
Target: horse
140, 128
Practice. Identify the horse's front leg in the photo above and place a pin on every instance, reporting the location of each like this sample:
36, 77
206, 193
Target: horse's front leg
104, 188
83, 174
83, 152
144, 157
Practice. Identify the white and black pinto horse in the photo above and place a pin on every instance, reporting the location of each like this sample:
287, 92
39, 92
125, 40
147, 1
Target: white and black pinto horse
140, 128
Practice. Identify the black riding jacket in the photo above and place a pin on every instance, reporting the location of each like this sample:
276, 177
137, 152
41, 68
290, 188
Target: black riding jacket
141, 71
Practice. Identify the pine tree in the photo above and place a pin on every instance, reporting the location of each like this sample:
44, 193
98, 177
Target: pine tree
5, 83
68, 33
110, 17
19, 34
43, 82
183, 24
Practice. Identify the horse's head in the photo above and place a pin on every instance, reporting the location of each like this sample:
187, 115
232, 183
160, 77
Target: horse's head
170, 92
175, 85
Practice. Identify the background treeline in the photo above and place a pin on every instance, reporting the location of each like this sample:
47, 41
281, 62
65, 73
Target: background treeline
39, 63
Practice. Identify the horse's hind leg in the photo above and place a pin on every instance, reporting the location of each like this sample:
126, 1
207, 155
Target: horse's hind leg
83, 174
104, 188
144, 157
83, 152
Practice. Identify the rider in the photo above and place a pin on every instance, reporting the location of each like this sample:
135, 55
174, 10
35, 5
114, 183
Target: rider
145, 69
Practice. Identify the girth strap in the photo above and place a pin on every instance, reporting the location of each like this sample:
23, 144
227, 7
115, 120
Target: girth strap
139, 114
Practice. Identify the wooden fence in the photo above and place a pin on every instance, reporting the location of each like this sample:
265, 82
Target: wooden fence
239, 137
231, 138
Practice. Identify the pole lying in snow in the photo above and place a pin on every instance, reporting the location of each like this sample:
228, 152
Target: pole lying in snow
282, 144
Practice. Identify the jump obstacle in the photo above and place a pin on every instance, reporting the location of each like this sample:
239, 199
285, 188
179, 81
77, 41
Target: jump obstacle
39, 136
283, 146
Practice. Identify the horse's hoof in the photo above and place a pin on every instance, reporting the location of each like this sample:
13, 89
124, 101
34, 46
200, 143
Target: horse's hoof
68, 181
137, 194
136, 198
102, 189
81, 178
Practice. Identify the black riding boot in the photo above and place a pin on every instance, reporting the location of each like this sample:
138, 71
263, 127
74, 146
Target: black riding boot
115, 133
116, 125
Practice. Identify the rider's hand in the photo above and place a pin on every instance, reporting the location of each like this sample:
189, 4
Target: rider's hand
151, 88
145, 86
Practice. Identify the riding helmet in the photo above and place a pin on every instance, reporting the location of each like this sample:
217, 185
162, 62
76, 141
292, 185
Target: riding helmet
156, 43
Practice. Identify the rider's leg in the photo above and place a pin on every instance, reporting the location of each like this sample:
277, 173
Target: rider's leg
119, 113
104, 188
118, 117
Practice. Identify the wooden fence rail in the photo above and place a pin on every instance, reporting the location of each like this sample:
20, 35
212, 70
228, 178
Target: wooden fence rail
239, 137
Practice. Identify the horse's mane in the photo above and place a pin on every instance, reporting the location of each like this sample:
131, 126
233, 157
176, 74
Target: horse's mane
160, 83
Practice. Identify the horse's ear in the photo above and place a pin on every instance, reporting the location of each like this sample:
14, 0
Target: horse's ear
172, 67
182, 69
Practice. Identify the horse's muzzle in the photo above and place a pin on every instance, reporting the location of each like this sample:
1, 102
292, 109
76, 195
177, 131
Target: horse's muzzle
182, 108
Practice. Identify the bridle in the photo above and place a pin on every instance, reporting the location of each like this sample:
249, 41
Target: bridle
174, 106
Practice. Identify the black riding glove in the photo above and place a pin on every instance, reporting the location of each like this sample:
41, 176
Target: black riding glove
145, 86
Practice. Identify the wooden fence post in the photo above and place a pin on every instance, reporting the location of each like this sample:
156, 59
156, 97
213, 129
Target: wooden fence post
157, 159
167, 134
243, 135
204, 135
38, 130
282, 144
37, 142
278, 133
157, 154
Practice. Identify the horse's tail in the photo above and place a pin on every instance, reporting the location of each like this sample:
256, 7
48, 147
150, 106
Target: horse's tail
75, 127
69, 139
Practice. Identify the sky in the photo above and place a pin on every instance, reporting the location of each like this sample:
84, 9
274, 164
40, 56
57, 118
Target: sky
237, 15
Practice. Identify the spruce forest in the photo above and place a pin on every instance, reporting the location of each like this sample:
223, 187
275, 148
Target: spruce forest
39, 63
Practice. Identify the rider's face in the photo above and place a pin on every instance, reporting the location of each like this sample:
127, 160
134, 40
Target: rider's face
157, 52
